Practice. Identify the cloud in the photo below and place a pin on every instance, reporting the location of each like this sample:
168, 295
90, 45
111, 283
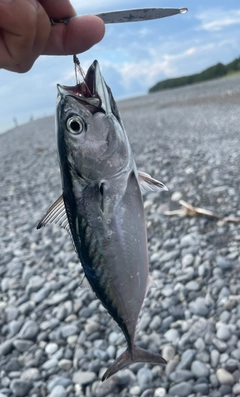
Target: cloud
216, 20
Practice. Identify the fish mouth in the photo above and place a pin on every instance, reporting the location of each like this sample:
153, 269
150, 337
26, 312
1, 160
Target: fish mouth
92, 91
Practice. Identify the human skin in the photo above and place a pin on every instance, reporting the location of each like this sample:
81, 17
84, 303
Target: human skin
26, 32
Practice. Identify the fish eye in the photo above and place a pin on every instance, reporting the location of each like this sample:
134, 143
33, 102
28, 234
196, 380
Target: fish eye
75, 125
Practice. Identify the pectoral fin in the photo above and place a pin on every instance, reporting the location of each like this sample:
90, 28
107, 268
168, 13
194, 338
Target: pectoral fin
149, 184
56, 214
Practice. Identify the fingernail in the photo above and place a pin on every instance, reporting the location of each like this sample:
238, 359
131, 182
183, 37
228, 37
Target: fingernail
34, 3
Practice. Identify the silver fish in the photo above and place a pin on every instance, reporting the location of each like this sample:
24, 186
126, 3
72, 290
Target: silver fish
102, 206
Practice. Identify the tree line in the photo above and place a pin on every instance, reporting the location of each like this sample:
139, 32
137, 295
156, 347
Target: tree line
216, 71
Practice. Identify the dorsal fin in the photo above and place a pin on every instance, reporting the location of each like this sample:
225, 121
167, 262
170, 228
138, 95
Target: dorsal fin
56, 214
149, 184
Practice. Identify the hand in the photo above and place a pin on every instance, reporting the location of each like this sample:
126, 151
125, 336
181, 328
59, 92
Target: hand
26, 32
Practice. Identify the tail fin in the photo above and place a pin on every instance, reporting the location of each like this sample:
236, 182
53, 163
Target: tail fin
136, 355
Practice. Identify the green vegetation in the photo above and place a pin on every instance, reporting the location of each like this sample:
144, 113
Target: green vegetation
218, 70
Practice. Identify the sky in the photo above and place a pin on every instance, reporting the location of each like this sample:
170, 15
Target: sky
132, 56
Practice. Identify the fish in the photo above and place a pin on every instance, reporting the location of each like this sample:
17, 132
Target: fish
101, 205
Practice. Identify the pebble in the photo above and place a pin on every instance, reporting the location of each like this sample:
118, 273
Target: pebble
168, 352
31, 374
84, 377
189, 240
58, 391
51, 348
223, 333
224, 377
182, 389
20, 388
29, 330
135, 390
22, 345
144, 377
187, 358
172, 335
160, 392
223, 263
187, 260
199, 307
6, 347
176, 196
199, 369
65, 364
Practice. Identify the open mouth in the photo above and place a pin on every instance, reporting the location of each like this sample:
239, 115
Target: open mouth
92, 91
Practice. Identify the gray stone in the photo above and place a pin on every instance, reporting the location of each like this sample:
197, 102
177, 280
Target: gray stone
34, 284
5, 284
20, 388
29, 330
199, 307
168, 352
214, 358
12, 313
220, 345
22, 345
181, 375
103, 389
182, 389
172, 335
189, 240
65, 364
160, 392
187, 260
41, 295
187, 358
169, 256
27, 307
236, 354
50, 364
135, 390
199, 369
170, 367
147, 393
223, 333
58, 380
51, 348
14, 326
155, 323
84, 377
6, 347
224, 377
176, 196
31, 374
101, 354
91, 327
57, 298
145, 378
192, 286
236, 389
201, 388
13, 365
58, 391
232, 365
68, 330
224, 263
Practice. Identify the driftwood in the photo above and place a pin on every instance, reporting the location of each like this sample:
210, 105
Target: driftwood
189, 210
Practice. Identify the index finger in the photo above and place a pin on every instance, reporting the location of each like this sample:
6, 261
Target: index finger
58, 9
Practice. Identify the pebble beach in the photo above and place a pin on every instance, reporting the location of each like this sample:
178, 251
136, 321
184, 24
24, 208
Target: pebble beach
56, 339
